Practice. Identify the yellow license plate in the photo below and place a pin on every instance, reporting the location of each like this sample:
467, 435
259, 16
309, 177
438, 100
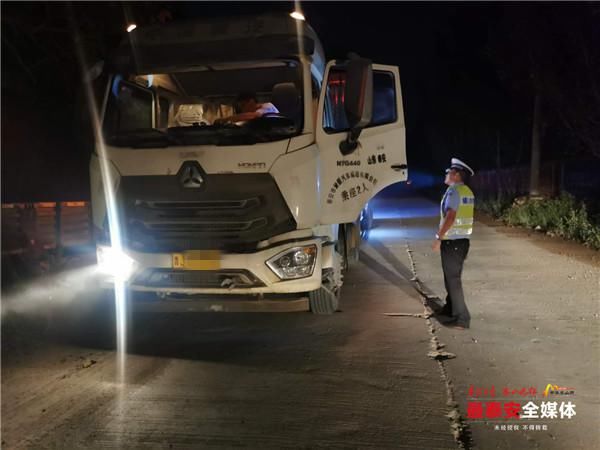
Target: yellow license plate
197, 260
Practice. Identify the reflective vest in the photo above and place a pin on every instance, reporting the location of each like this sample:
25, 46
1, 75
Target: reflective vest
463, 224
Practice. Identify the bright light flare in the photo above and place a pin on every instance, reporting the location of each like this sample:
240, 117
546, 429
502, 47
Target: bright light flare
297, 15
111, 210
114, 262
131, 27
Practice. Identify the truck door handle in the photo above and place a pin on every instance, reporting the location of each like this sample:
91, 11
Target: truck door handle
398, 167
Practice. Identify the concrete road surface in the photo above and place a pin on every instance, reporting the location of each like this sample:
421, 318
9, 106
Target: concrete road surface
361, 378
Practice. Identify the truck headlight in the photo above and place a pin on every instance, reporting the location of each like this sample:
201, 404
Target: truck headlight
297, 262
114, 262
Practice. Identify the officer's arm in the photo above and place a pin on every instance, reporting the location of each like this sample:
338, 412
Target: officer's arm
447, 223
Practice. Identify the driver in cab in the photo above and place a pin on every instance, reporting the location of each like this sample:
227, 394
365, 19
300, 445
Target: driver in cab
249, 109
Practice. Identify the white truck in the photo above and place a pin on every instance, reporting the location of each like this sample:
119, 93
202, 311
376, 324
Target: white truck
261, 215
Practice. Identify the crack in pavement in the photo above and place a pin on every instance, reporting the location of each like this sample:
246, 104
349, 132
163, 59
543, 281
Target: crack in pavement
460, 431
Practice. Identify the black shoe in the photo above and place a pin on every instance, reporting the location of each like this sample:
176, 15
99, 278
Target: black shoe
444, 319
435, 304
445, 311
455, 324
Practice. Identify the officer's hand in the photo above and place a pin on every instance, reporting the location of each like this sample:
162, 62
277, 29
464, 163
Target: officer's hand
436, 245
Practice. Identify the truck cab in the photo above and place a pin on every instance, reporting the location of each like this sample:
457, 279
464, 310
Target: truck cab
255, 215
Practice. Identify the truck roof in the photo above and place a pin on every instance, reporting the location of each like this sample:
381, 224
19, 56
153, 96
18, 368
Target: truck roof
202, 42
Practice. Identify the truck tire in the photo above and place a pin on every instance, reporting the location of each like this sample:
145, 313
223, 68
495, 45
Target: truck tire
323, 301
365, 222
342, 249
353, 240
348, 245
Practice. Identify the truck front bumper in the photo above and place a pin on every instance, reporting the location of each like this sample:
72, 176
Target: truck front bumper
248, 272
221, 303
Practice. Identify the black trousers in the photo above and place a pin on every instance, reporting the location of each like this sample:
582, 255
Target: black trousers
454, 252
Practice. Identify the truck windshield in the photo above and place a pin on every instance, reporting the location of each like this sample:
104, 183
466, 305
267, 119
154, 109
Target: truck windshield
223, 104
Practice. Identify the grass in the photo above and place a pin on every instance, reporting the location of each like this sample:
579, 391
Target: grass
562, 216
494, 207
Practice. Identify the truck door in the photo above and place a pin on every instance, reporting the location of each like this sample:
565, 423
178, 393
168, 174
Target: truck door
347, 182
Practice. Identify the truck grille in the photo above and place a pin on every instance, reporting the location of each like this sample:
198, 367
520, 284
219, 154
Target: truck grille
232, 212
204, 227
180, 208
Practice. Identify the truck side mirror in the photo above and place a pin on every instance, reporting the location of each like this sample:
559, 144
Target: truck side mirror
358, 101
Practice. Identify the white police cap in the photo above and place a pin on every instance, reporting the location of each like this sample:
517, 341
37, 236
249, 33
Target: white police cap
456, 163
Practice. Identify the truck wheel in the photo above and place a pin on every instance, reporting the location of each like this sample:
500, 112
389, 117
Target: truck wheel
342, 249
353, 242
365, 222
323, 301
348, 242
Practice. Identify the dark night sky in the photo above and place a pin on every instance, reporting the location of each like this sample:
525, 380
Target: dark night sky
466, 72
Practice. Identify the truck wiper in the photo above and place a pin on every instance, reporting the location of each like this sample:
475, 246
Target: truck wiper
272, 127
213, 135
283, 131
204, 130
145, 137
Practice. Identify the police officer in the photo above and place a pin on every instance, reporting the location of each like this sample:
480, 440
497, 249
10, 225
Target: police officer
452, 240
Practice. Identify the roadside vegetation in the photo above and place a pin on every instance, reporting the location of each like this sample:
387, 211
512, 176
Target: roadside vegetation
562, 216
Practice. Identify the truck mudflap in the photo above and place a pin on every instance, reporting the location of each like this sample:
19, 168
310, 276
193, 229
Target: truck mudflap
221, 303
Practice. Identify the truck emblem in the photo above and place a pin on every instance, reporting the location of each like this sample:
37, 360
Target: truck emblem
190, 176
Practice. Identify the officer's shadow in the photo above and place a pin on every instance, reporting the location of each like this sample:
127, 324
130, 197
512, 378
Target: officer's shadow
402, 276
